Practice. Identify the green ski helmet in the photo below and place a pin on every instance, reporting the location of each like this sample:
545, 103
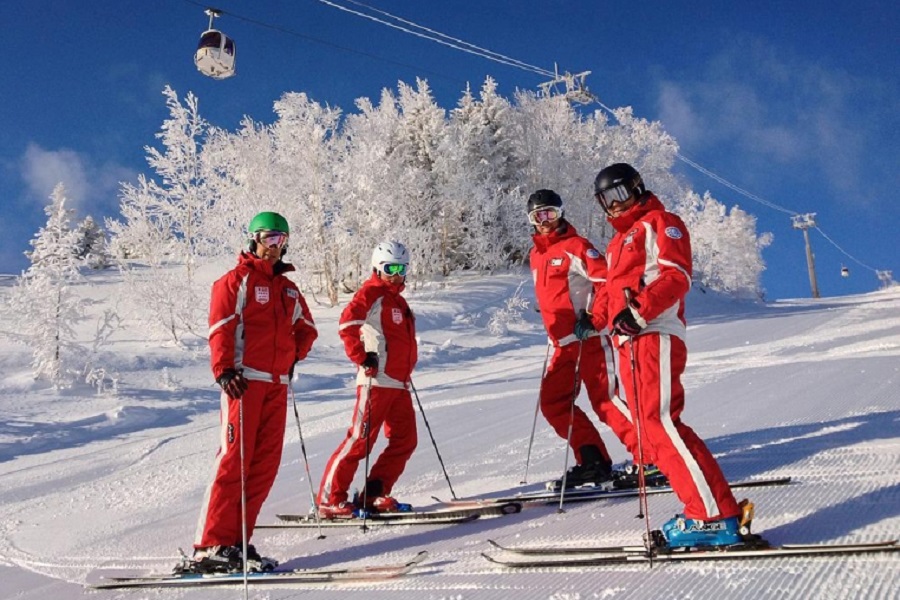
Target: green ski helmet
268, 221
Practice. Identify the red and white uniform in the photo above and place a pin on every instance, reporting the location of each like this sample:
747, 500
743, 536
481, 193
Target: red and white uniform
651, 255
567, 271
258, 323
379, 320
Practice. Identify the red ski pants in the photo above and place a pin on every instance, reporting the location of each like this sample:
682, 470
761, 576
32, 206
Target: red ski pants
559, 390
375, 406
668, 443
264, 412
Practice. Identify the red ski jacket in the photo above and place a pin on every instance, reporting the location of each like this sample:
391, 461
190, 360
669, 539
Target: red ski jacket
651, 255
567, 269
378, 319
258, 321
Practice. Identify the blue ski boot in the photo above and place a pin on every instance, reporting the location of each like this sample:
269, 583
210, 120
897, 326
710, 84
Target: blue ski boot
681, 532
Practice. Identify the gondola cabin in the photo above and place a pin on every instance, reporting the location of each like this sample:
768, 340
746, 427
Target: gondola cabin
215, 54
845, 272
216, 51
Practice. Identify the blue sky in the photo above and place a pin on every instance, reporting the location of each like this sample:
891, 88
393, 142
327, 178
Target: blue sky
797, 103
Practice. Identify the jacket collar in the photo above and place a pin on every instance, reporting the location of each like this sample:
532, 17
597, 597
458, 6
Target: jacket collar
625, 222
257, 264
564, 231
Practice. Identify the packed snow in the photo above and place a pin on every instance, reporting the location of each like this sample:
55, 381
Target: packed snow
802, 388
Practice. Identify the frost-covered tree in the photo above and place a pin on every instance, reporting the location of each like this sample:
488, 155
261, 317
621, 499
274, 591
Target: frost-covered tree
91, 246
726, 249
163, 225
307, 152
452, 188
481, 173
44, 301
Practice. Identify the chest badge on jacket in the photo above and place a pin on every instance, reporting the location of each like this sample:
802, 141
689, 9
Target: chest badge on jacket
397, 315
556, 262
262, 294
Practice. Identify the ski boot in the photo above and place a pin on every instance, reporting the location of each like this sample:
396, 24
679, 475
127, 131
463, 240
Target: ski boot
375, 501
627, 476
340, 510
594, 471
213, 559
681, 532
257, 563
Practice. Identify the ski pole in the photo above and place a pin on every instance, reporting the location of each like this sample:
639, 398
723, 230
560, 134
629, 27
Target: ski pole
537, 408
433, 443
368, 424
643, 507
576, 387
243, 498
575, 390
312, 495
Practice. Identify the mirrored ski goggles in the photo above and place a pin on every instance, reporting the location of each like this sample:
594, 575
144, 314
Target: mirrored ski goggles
544, 215
394, 269
271, 239
618, 193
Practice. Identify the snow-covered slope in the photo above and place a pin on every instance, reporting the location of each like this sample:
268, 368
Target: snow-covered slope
804, 388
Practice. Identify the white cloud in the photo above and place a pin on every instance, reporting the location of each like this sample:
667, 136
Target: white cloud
776, 109
43, 169
90, 188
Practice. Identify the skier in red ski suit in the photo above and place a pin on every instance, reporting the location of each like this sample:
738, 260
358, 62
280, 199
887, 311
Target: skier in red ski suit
379, 334
650, 256
259, 327
568, 271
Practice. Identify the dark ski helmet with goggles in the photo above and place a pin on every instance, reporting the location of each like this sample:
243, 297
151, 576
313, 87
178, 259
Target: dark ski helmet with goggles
543, 206
617, 183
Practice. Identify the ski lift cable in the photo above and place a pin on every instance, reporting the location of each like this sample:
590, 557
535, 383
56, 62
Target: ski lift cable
482, 51
845, 253
315, 40
471, 50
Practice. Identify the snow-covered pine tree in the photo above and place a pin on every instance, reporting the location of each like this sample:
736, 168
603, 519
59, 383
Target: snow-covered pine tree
44, 302
91, 247
481, 171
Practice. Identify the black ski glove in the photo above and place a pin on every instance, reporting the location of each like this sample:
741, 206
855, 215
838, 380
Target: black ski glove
584, 326
626, 324
370, 365
233, 382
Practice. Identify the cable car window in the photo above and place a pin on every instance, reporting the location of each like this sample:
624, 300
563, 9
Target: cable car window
229, 46
210, 39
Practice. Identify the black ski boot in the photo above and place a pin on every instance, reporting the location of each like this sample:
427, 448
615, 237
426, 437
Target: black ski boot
594, 471
214, 559
257, 563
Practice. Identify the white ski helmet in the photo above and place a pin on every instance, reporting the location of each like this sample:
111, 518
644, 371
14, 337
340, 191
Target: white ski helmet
389, 253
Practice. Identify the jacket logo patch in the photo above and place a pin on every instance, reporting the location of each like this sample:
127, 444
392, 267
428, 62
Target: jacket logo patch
556, 262
262, 294
397, 315
592, 253
630, 237
674, 233
292, 293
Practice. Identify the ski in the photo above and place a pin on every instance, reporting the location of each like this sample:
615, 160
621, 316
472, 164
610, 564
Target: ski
308, 521
565, 550
637, 554
122, 578
488, 510
586, 494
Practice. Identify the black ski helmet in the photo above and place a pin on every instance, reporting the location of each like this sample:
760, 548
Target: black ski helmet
618, 174
542, 199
